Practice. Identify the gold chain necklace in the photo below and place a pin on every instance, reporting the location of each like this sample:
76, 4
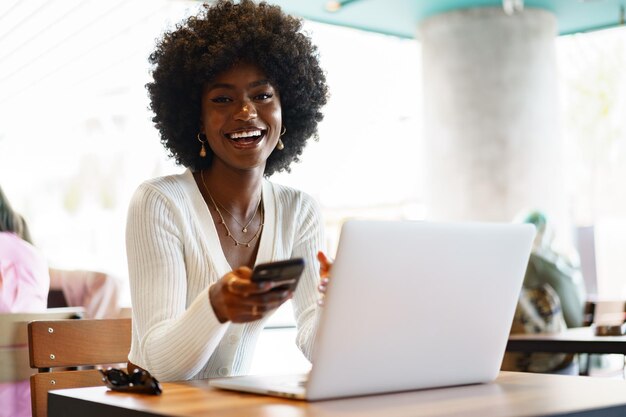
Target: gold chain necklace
228, 233
244, 228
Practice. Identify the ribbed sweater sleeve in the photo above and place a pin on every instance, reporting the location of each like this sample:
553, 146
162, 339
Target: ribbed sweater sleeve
174, 338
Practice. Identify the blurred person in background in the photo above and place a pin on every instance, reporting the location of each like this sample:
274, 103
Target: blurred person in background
24, 283
24, 277
552, 300
96, 291
548, 266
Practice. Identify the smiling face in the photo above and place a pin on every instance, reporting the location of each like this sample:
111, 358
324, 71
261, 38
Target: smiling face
241, 117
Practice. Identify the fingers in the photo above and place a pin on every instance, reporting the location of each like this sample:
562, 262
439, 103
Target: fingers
238, 282
323, 285
263, 308
322, 288
241, 300
325, 264
271, 298
256, 307
325, 269
243, 272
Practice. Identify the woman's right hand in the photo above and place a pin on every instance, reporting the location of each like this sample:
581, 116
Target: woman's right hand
236, 298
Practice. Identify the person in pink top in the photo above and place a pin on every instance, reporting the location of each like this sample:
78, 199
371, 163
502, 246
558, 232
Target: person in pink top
24, 285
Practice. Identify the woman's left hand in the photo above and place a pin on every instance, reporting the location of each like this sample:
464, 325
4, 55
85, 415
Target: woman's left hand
325, 268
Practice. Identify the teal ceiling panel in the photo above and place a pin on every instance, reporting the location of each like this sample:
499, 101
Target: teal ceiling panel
401, 17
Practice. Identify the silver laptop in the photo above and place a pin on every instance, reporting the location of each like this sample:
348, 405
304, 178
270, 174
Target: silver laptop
411, 305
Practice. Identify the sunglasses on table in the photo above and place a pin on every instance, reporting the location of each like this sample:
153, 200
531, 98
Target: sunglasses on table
139, 381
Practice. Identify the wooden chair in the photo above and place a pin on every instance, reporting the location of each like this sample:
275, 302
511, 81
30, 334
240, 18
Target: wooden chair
14, 363
69, 343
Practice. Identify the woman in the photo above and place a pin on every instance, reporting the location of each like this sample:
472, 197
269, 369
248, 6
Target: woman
552, 299
24, 283
237, 92
24, 279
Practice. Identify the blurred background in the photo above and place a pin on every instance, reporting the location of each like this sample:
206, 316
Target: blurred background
76, 136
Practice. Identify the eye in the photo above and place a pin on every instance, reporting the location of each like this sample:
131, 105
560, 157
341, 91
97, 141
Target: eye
264, 96
221, 99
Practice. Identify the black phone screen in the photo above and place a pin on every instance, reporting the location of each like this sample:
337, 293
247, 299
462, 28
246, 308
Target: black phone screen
288, 271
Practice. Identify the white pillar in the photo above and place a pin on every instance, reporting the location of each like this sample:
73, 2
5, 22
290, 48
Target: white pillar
492, 133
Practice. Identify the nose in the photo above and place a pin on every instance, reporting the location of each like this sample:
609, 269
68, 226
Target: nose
247, 112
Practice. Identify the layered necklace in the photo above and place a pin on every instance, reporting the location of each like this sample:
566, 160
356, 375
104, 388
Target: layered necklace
244, 227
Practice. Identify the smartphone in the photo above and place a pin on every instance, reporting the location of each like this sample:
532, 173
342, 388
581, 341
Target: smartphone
285, 272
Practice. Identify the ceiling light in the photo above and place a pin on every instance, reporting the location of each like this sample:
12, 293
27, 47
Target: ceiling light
334, 5
512, 6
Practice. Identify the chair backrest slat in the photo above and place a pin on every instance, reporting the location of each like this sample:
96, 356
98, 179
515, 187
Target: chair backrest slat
43, 382
77, 343
58, 344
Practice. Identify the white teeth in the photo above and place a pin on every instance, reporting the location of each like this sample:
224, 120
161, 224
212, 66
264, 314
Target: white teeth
246, 134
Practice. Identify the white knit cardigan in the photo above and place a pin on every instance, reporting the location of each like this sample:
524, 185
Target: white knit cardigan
174, 255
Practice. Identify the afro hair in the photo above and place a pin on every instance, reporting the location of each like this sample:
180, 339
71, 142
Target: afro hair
222, 34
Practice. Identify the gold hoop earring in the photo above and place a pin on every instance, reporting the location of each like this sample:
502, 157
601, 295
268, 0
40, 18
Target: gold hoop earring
280, 145
202, 148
